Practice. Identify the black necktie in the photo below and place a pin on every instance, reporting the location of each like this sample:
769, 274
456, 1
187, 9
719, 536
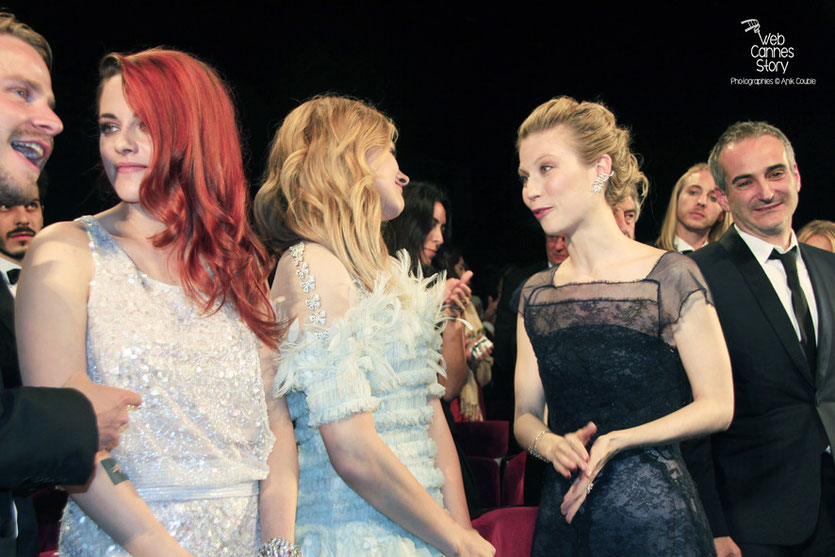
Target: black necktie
799, 304
13, 275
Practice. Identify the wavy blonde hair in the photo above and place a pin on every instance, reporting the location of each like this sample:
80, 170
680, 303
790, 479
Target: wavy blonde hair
666, 240
825, 228
595, 134
319, 186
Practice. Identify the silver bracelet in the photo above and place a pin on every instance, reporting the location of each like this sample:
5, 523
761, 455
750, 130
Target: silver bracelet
278, 547
532, 448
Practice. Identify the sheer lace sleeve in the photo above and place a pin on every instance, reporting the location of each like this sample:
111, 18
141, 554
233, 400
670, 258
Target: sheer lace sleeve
522, 296
321, 357
681, 284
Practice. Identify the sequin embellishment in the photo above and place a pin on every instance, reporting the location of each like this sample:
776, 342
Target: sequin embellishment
202, 429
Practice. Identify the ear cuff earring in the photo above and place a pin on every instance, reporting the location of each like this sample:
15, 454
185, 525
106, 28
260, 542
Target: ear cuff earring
600, 182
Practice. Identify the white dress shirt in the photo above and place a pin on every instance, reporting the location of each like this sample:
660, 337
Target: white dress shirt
5, 266
681, 246
777, 275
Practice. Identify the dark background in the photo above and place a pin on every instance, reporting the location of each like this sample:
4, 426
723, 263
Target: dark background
458, 79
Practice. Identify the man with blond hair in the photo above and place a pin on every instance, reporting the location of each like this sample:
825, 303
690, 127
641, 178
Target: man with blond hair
47, 436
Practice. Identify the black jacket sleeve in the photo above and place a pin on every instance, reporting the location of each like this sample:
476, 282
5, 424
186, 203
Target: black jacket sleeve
47, 436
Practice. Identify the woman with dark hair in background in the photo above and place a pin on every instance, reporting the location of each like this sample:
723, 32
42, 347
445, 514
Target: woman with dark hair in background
420, 228
621, 342
378, 475
478, 346
420, 231
165, 294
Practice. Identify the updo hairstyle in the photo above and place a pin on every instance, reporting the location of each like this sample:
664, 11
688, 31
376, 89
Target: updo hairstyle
595, 133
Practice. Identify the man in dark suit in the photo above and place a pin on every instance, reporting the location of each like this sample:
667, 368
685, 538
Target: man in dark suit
47, 436
504, 351
768, 482
18, 226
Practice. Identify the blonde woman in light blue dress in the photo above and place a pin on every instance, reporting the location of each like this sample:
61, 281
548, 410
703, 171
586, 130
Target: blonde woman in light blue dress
378, 475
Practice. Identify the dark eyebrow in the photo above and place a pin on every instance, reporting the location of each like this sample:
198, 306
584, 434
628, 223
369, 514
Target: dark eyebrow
773, 167
107, 115
741, 177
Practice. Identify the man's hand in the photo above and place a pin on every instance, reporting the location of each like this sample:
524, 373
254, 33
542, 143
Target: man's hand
110, 405
725, 547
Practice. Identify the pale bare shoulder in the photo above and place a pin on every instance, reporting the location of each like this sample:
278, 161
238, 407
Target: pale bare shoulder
51, 304
59, 246
639, 253
67, 234
637, 261
650, 252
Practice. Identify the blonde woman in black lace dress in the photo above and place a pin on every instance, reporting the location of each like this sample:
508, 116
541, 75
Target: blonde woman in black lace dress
622, 344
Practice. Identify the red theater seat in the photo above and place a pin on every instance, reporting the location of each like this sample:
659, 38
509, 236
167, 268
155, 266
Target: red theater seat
488, 438
510, 530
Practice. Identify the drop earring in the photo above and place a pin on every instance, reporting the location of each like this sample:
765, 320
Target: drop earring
599, 182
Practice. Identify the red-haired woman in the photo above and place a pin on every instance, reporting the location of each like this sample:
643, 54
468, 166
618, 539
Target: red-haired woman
165, 294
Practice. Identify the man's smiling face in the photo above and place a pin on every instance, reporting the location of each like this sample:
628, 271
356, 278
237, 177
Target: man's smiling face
27, 121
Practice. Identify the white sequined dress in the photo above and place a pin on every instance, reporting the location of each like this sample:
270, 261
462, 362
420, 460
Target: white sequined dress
197, 447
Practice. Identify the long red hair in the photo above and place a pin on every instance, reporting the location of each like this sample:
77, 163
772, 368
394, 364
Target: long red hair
196, 184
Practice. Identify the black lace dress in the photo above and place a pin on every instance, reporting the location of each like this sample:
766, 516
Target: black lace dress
606, 354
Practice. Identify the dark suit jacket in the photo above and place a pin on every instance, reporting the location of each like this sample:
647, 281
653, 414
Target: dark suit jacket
760, 480
9, 371
504, 350
47, 437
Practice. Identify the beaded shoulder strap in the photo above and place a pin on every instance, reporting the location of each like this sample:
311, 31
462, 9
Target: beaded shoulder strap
307, 282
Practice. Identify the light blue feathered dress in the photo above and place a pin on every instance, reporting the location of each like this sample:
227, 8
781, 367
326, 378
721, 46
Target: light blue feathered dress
383, 357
